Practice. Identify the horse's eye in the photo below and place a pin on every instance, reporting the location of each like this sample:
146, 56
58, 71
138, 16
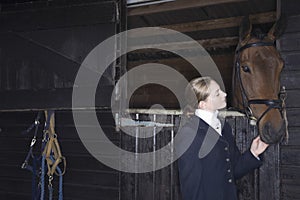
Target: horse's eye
246, 68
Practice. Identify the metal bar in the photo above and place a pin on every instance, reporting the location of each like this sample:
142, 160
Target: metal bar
136, 159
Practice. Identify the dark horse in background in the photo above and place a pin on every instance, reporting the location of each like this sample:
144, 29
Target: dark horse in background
256, 81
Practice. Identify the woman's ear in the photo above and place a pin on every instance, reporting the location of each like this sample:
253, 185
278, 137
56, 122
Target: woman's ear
201, 104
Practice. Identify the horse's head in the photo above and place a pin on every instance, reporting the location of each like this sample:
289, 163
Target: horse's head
256, 81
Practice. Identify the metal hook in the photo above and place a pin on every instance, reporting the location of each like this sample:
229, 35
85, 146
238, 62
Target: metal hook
282, 93
33, 141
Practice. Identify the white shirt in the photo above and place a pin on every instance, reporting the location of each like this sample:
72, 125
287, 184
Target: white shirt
211, 118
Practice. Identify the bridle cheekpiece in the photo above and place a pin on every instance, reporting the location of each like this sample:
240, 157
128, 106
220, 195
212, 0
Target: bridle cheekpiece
270, 103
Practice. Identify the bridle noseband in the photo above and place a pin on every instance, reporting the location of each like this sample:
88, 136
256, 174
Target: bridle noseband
270, 103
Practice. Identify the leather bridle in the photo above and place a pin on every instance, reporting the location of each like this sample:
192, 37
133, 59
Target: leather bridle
270, 103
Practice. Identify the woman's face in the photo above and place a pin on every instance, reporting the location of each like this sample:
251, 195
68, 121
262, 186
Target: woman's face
216, 99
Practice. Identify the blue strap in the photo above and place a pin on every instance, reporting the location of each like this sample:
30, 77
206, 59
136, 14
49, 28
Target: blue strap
30, 152
43, 178
60, 189
35, 160
50, 192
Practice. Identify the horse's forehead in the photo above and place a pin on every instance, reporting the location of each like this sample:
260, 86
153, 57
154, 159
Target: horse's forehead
266, 55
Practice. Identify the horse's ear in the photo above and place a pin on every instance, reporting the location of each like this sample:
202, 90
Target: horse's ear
245, 30
278, 28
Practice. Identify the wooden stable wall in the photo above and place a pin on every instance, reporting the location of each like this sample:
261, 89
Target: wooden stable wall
289, 45
86, 178
42, 45
32, 75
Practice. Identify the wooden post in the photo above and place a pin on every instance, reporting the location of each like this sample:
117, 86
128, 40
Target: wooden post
263, 183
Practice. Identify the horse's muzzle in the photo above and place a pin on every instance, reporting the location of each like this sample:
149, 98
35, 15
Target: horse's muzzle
270, 135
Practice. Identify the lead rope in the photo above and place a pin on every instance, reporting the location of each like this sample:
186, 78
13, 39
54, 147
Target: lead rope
44, 143
283, 96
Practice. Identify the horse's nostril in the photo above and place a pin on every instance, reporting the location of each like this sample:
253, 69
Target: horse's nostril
271, 135
267, 128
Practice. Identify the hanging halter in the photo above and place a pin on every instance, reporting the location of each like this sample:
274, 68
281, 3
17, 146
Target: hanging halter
34, 165
52, 155
270, 103
47, 163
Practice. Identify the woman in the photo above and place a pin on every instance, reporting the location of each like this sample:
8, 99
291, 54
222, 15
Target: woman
211, 164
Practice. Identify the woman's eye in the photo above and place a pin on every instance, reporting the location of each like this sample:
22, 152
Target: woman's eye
246, 68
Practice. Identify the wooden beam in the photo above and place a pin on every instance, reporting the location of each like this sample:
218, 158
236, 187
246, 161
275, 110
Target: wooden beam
214, 24
176, 5
207, 44
49, 17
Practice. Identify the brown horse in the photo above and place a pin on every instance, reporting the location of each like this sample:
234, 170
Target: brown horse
256, 81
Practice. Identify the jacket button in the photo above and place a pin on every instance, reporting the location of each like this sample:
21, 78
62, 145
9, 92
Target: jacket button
227, 159
226, 148
228, 170
229, 180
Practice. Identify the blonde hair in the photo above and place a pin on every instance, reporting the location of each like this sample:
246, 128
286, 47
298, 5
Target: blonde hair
196, 91
198, 87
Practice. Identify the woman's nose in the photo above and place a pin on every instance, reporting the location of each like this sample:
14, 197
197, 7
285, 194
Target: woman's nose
225, 94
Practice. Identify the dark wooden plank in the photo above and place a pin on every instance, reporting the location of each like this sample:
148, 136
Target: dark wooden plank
293, 117
290, 192
145, 187
92, 178
175, 6
290, 156
291, 60
162, 184
175, 184
15, 159
56, 51
128, 187
290, 175
293, 24
48, 99
80, 192
63, 118
146, 181
73, 191
290, 79
269, 173
244, 134
18, 187
163, 177
290, 7
13, 195
19, 120
293, 97
53, 16
290, 42
67, 146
